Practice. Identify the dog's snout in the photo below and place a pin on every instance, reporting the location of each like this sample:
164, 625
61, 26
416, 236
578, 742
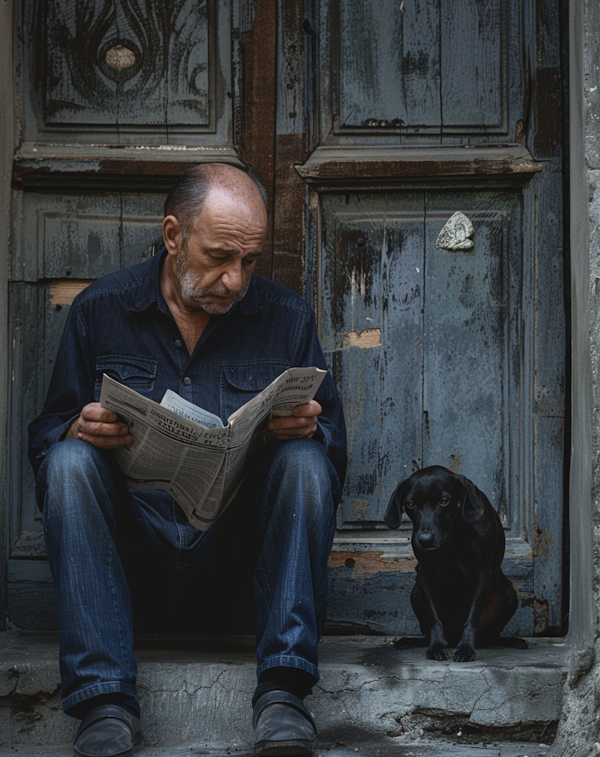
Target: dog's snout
426, 539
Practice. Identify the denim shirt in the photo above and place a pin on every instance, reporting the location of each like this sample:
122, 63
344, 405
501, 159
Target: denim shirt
122, 326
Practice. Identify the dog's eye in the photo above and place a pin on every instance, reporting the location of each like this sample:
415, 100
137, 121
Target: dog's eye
444, 501
410, 504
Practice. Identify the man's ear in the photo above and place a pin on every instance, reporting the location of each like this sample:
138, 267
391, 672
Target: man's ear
393, 514
172, 234
473, 503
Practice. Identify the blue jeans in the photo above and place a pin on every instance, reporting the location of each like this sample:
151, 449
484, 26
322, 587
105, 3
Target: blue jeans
122, 560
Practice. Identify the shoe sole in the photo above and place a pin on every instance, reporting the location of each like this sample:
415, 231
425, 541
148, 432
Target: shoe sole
137, 743
284, 749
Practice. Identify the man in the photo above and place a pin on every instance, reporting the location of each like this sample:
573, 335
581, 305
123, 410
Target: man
196, 320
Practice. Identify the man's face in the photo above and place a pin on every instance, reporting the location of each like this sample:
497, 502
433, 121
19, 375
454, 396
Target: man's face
214, 267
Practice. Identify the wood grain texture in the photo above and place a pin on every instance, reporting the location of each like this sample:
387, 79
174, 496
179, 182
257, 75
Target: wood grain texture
473, 37
443, 383
64, 291
63, 242
76, 85
257, 139
168, 81
291, 148
417, 68
372, 279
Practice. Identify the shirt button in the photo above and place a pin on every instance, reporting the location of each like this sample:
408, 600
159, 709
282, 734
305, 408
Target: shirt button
187, 380
178, 342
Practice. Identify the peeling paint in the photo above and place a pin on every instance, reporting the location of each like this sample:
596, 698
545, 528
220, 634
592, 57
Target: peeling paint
364, 564
64, 291
542, 541
363, 339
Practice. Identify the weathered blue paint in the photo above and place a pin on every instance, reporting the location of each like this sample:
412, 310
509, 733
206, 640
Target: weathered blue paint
442, 382
61, 238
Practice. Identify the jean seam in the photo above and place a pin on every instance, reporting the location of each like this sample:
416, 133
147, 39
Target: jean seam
288, 661
97, 689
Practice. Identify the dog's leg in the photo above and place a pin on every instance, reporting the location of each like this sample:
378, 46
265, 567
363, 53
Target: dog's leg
501, 605
423, 602
465, 651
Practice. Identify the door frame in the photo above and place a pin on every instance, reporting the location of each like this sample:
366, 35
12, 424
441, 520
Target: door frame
580, 478
6, 164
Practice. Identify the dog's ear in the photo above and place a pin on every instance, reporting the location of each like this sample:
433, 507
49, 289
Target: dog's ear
474, 500
393, 514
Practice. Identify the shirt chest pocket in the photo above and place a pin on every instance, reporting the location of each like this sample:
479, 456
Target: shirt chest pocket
134, 371
240, 381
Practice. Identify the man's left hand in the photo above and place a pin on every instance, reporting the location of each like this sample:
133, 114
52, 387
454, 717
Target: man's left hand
303, 423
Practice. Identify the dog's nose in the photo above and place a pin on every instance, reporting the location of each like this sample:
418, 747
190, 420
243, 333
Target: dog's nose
426, 539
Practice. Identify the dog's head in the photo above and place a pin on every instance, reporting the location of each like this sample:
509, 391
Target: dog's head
432, 498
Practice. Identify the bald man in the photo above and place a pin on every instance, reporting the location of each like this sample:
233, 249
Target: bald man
194, 319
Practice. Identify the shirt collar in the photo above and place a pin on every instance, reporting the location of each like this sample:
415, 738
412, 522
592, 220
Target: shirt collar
148, 293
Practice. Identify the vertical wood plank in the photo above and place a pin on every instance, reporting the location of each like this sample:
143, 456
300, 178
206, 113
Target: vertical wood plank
466, 368
371, 285
6, 158
389, 64
547, 84
546, 537
420, 75
472, 57
291, 147
257, 145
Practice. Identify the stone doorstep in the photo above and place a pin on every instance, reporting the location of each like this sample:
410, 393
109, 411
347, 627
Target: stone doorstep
370, 697
194, 749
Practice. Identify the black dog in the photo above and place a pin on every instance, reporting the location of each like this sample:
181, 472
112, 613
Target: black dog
461, 594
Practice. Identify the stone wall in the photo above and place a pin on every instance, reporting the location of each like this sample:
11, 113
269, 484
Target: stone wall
579, 732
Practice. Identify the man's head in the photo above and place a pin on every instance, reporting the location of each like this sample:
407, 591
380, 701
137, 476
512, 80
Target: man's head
214, 229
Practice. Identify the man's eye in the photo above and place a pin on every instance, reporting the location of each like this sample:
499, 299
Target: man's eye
249, 261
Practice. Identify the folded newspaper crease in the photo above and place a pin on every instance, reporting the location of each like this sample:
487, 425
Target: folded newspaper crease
188, 452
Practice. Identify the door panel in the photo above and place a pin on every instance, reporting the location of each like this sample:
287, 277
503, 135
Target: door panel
427, 346
126, 68
65, 241
419, 68
451, 103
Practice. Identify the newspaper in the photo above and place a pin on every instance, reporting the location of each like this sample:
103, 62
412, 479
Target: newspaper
188, 452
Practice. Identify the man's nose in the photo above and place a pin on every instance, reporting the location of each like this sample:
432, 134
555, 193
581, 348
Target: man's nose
233, 277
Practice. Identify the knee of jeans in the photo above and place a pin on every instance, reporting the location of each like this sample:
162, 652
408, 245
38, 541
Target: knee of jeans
299, 457
72, 463
302, 465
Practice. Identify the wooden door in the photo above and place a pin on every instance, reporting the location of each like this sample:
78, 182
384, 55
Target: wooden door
443, 356
370, 124
113, 100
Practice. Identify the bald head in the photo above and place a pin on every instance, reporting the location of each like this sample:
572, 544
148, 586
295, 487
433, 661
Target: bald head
186, 199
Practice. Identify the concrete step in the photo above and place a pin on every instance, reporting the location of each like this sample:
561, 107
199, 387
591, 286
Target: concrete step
195, 749
195, 695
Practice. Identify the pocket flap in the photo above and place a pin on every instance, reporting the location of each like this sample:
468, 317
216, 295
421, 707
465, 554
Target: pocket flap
127, 367
253, 376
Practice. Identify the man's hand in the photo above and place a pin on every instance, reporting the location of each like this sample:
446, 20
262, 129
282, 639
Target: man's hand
303, 423
99, 427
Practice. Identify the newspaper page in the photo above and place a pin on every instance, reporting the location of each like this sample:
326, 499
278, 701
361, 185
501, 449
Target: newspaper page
179, 448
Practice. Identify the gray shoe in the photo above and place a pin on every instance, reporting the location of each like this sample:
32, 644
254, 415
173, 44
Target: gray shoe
283, 727
107, 731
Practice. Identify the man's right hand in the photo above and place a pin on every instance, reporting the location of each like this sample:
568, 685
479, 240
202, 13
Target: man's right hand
99, 427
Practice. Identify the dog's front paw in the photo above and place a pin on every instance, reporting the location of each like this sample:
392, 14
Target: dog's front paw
438, 651
464, 653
